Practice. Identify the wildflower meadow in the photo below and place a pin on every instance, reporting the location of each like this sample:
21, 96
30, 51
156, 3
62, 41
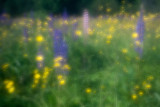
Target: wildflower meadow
49, 60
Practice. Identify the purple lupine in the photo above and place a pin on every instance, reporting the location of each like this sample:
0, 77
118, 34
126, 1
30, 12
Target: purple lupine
74, 28
25, 33
25, 29
65, 21
50, 24
51, 20
65, 15
60, 48
85, 22
140, 29
4, 18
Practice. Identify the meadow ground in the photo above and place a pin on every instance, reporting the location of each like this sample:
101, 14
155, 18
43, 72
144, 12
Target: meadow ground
101, 69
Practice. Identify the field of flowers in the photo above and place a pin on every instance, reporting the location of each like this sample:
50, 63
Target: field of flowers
51, 62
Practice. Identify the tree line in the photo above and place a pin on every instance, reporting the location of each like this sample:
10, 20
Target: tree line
95, 7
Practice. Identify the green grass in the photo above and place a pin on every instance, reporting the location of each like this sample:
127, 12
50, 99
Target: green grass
110, 74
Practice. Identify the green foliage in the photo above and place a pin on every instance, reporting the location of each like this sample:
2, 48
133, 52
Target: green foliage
102, 67
152, 5
76, 7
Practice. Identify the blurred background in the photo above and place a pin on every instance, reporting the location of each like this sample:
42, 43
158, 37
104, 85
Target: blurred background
75, 7
79, 53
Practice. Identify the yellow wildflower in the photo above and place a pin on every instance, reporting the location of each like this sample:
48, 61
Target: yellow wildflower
5, 66
25, 55
37, 76
62, 82
78, 32
88, 90
66, 66
39, 38
48, 18
29, 39
90, 32
43, 86
111, 29
39, 58
36, 81
140, 93
57, 64
109, 37
124, 51
108, 10
33, 85
45, 74
150, 78
58, 59
136, 87
157, 36
9, 85
137, 43
66, 22
6, 81
45, 23
98, 25
59, 77
147, 86
134, 96
11, 90
144, 82
135, 35
36, 71
108, 41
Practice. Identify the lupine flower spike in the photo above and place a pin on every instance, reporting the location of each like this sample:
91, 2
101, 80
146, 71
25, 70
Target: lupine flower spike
140, 29
65, 21
85, 22
60, 53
